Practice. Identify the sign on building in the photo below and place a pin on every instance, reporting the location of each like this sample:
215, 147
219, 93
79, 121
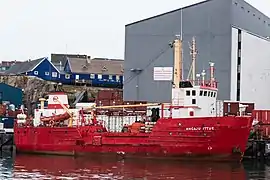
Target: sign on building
163, 73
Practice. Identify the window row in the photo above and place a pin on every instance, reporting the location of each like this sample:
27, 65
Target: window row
208, 93
67, 76
92, 76
54, 74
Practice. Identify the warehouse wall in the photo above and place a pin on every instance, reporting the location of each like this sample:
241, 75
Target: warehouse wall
208, 21
255, 70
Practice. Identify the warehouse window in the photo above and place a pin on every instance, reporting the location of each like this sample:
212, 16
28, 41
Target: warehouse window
35, 72
47, 73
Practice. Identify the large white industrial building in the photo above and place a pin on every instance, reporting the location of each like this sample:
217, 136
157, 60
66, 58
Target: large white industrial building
231, 33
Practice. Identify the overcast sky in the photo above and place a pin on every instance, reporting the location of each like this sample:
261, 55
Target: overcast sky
35, 28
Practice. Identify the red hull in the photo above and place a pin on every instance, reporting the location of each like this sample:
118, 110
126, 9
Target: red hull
217, 138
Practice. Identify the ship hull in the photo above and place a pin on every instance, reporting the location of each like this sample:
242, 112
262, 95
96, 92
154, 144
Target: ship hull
216, 139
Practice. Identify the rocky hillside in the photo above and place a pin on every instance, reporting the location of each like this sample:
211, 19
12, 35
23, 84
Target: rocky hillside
34, 88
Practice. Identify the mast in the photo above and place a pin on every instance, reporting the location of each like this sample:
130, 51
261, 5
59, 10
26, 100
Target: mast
193, 56
177, 62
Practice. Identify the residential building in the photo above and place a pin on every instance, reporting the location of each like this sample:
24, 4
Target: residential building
97, 72
41, 68
5, 65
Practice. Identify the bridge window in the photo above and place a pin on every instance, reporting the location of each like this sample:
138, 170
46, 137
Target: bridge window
205, 93
193, 101
188, 93
212, 93
193, 92
215, 94
209, 93
201, 93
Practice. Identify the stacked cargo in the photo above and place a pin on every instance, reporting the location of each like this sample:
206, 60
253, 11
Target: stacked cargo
232, 108
263, 116
109, 97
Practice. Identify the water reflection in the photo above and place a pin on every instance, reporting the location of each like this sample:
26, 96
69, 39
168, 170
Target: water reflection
256, 170
55, 167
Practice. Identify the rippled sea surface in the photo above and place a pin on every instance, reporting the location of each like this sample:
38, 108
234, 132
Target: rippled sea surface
55, 167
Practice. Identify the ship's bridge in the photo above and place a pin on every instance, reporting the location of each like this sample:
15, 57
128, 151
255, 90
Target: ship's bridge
194, 99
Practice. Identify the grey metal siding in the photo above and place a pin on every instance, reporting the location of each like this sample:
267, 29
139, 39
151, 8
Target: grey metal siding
209, 22
250, 19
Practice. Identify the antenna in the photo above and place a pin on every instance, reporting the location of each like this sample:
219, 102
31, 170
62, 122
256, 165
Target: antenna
66, 48
181, 24
181, 33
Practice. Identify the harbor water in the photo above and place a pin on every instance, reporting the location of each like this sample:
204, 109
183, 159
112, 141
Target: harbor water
55, 167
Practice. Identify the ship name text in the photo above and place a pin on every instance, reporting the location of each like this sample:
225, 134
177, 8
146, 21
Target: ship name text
200, 129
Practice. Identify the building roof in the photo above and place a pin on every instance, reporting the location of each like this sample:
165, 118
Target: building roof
167, 12
57, 58
24, 67
96, 66
9, 63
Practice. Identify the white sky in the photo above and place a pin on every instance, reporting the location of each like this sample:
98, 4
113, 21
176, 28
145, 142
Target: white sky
35, 28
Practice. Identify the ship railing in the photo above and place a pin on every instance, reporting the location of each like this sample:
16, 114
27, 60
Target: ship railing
205, 83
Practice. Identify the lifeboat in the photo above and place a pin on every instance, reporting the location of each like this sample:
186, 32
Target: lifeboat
60, 117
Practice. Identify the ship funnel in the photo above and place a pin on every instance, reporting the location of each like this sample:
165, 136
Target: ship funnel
177, 62
212, 78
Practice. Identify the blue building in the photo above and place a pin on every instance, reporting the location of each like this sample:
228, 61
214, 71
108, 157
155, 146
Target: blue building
81, 69
41, 68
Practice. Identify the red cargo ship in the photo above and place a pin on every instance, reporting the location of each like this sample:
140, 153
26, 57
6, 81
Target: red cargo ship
190, 127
